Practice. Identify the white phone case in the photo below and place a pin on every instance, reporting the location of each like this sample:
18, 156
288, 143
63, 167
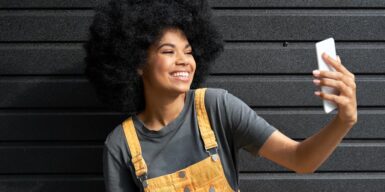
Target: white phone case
327, 46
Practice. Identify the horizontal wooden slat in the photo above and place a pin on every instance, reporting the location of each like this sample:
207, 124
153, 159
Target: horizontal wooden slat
55, 158
59, 25
300, 124
254, 58
238, 58
252, 25
47, 92
347, 157
42, 58
331, 182
278, 25
57, 126
61, 126
213, 3
49, 3
50, 158
261, 91
283, 91
57, 183
297, 3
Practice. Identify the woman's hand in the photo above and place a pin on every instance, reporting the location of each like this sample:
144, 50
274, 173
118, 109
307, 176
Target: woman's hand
342, 80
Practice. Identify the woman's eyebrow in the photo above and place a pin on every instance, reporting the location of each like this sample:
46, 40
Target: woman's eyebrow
172, 45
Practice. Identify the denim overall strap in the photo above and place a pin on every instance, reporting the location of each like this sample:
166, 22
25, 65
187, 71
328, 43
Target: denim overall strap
135, 150
207, 133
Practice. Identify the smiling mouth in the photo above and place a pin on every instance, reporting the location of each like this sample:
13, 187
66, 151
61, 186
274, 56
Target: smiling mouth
180, 74
184, 76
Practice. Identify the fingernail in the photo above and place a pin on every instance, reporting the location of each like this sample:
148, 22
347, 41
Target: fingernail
316, 72
317, 93
316, 81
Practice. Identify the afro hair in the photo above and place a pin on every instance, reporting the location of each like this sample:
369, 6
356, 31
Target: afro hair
123, 30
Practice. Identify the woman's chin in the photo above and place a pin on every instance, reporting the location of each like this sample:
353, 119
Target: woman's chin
181, 88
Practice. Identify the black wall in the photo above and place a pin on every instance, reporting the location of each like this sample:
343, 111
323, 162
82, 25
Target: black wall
52, 127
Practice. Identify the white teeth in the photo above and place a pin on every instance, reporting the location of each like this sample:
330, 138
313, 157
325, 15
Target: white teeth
180, 74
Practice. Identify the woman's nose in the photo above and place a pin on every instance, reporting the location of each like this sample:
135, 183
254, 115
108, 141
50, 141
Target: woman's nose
182, 62
182, 59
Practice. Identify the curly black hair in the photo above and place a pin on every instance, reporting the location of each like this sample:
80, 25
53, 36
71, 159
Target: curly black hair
122, 32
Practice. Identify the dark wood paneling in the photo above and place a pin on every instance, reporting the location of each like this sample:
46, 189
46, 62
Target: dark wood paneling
334, 182
290, 91
57, 126
50, 3
254, 90
331, 182
52, 183
87, 159
50, 158
300, 124
213, 3
246, 25
271, 58
362, 157
238, 58
47, 25
46, 92
305, 25
298, 3
41, 59
94, 126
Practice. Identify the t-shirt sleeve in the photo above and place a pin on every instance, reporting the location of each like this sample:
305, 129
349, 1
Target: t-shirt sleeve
117, 177
250, 131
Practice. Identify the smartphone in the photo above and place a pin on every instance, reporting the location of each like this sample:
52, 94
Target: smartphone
327, 46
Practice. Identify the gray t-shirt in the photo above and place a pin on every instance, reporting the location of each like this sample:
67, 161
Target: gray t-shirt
178, 144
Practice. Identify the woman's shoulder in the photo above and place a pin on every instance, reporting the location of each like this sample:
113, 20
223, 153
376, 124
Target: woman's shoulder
215, 97
214, 93
115, 139
221, 99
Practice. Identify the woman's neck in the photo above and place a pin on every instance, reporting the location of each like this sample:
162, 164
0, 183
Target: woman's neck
161, 109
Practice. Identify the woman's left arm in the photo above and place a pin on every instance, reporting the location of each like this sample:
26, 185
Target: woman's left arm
308, 155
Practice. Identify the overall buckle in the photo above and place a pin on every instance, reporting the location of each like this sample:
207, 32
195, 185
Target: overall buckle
213, 152
143, 180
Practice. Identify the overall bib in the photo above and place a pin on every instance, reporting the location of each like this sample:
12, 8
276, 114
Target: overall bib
204, 176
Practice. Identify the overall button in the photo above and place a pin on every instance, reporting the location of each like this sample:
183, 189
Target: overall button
186, 189
182, 174
212, 189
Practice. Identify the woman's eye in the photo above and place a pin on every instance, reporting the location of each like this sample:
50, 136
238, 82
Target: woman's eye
172, 52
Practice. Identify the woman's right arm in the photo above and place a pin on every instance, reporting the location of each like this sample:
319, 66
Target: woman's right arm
117, 177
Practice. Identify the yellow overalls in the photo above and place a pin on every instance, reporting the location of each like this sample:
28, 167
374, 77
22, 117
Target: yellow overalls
206, 175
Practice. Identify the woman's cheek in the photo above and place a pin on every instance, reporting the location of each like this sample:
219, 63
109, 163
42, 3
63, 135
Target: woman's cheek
163, 62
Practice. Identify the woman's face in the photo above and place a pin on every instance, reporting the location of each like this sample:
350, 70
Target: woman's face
170, 64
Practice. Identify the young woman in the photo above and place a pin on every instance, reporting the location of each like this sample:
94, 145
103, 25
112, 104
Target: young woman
145, 58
